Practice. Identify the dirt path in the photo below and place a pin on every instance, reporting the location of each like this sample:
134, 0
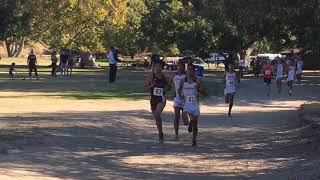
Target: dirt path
54, 138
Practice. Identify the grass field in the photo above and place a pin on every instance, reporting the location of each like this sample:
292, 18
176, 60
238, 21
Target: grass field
85, 83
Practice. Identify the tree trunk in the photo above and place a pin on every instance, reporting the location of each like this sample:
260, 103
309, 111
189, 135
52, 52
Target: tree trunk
20, 47
14, 46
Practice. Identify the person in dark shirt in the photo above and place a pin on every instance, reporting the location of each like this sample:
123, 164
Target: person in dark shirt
12, 69
64, 64
32, 64
54, 61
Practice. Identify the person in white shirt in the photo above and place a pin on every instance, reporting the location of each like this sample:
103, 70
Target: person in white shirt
112, 64
299, 69
290, 78
178, 103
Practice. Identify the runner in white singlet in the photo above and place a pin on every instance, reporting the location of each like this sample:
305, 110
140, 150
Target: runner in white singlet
299, 69
290, 78
189, 92
279, 74
178, 103
230, 78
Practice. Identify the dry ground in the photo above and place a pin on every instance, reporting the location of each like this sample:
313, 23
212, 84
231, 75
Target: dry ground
44, 136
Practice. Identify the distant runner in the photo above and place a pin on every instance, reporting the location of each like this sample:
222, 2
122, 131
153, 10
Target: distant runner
157, 85
299, 69
267, 75
230, 78
279, 69
178, 103
189, 91
290, 79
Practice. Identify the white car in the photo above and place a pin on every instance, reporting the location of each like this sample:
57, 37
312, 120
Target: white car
217, 58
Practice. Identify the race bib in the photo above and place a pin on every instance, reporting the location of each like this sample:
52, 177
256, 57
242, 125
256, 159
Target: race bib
230, 82
268, 72
158, 91
191, 99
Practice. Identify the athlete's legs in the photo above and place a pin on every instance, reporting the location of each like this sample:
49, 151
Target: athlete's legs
157, 115
279, 85
177, 112
231, 98
194, 120
227, 98
185, 118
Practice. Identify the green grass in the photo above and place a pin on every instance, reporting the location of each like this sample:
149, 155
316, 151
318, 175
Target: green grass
315, 106
86, 84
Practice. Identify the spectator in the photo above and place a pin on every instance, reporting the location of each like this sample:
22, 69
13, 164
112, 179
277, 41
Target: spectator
63, 64
70, 65
54, 65
12, 69
113, 57
32, 64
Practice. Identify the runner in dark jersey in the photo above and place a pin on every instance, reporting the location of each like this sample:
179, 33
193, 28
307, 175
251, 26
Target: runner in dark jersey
32, 64
157, 85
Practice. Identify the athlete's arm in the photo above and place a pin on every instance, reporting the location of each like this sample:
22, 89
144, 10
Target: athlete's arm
201, 88
224, 79
149, 84
180, 89
168, 83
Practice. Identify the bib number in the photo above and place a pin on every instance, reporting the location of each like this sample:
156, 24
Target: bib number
191, 99
230, 82
158, 91
268, 72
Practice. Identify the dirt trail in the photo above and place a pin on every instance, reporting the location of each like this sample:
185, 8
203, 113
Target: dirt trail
66, 139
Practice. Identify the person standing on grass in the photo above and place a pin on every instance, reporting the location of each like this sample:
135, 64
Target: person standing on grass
190, 89
12, 69
230, 78
32, 64
157, 84
63, 64
113, 57
178, 103
70, 64
54, 65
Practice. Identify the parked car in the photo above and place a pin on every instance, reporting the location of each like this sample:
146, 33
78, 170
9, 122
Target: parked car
217, 58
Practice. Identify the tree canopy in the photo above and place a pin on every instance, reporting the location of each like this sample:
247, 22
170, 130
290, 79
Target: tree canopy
169, 27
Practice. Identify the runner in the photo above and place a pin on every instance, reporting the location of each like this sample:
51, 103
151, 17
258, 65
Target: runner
290, 72
189, 91
230, 78
299, 69
268, 73
279, 74
178, 104
157, 85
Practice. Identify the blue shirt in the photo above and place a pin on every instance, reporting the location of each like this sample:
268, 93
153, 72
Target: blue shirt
111, 58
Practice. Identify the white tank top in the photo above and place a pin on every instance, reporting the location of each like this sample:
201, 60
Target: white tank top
299, 67
177, 80
230, 80
190, 92
279, 70
291, 73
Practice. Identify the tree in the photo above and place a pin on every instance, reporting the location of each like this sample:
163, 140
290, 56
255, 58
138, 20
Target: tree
14, 25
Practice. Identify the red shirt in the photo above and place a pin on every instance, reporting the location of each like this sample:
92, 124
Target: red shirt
267, 71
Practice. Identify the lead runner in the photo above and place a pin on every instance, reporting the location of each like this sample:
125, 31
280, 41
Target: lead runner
157, 85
